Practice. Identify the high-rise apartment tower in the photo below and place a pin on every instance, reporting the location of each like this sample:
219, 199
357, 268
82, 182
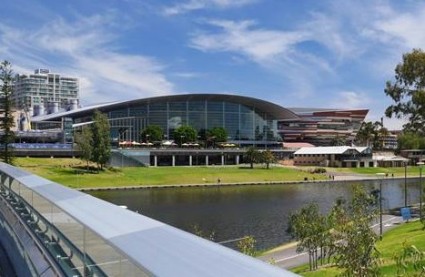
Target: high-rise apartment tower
45, 92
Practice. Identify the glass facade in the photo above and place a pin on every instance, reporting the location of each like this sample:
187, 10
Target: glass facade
241, 122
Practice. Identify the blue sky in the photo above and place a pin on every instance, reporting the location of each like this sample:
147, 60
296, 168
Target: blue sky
327, 54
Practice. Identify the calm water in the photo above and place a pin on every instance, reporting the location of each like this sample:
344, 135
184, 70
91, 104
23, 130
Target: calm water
257, 210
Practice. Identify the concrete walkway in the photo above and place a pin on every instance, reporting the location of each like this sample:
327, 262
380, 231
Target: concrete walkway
287, 257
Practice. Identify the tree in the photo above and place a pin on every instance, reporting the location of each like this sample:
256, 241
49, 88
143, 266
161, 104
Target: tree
185, 134
252, 155
355, 248
372, 134
408, 91
84, 140
267, 157
247, 245
338, 141
217, 134
152, 133
410, 140
101, 139
310, 229
6, 109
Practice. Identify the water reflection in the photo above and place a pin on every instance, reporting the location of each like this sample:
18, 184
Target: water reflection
258, 210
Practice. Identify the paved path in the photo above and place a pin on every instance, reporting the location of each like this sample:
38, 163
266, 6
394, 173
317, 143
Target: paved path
287, 257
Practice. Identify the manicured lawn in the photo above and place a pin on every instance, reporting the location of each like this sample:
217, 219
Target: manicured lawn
392, 242
70, 172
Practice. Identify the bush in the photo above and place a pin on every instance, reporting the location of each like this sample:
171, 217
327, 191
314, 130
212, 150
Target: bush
319, 170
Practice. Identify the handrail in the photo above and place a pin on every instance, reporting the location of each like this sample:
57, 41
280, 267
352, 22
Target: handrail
52, 245
135, 245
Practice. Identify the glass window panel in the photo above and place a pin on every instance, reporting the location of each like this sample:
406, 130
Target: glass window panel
157, 106
231, 107
197, 120
198, 106
177, 106
215, 106
158, 118
246, 109
231, 123
176, 119
119, 113
138, 111
214, 120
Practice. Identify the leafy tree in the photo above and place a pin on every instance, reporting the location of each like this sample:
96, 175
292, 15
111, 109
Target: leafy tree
101, 139
371, 134
408, 91
217, 134
310, 229
247, 245
355, 249
152, 133
185, 134
338, 141
84, 140
252, 155
410, 140
267, 157
6, 109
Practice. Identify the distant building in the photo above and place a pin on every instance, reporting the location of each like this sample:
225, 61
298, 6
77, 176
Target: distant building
321, 127
248, 121
45, 92
390, 141
334, 156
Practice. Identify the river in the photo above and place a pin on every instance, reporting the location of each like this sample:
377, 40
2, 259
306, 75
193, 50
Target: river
232, 212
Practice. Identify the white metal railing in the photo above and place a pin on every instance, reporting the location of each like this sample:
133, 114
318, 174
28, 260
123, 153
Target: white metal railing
103, 239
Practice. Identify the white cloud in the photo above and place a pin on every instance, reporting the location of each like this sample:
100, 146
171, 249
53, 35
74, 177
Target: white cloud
271, 49
403, 28
85, 49
260, 45
350, 100
192, 5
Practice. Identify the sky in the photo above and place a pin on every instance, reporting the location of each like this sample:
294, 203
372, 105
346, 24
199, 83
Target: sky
315, 54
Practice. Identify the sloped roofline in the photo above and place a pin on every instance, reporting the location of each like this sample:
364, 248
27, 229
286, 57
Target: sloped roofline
274, 110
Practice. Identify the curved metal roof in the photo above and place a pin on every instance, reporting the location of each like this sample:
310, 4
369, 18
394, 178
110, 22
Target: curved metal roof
272, 109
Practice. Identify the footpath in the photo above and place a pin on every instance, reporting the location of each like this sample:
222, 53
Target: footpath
287, 257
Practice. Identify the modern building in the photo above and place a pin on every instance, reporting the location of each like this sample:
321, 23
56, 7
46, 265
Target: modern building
248, 121
45, 92
321, 127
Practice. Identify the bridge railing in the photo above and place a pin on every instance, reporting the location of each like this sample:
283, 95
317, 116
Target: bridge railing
87, 236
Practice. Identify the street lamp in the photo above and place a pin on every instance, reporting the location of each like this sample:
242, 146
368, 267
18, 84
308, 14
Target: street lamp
380, 176
420, 164
405, 183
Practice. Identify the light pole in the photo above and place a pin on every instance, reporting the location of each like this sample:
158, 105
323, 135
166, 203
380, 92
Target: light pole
405, 183
420, 164
380, 176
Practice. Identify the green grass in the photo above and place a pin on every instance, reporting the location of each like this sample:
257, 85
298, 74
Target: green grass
392, 242
70, 172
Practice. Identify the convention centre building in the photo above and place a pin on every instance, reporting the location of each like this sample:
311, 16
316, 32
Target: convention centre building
247, 120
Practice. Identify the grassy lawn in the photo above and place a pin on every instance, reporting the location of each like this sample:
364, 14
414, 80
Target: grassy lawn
70, 172
392, 242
